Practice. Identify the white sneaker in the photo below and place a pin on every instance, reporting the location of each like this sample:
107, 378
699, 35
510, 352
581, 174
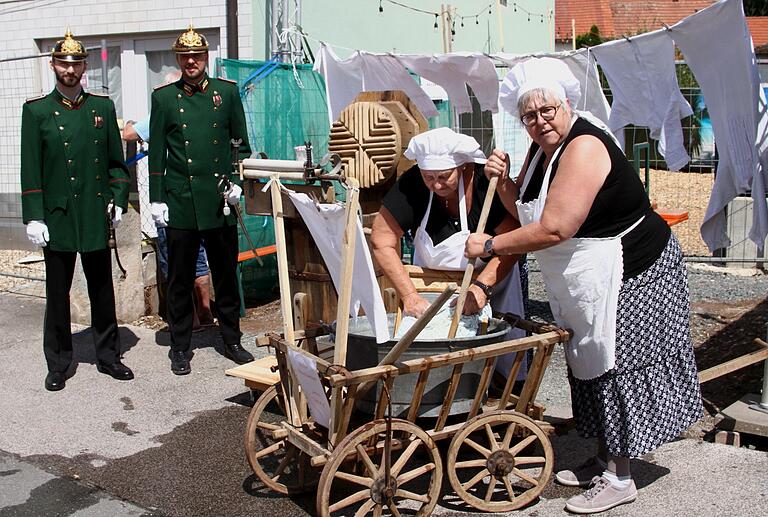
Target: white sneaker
601, 496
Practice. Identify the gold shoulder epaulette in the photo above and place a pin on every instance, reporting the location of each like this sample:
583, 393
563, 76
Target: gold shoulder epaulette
39, 97
163, 85
99, 94
227, 80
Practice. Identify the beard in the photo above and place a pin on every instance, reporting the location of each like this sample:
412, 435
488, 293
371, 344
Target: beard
69, 79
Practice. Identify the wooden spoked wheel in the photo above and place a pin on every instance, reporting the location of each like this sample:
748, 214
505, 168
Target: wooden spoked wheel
499, 461
276, 462
353, 481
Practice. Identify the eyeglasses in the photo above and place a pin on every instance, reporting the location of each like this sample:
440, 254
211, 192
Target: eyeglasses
547, 113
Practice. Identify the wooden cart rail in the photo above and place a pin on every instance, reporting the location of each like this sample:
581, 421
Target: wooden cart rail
414, 365
449, 359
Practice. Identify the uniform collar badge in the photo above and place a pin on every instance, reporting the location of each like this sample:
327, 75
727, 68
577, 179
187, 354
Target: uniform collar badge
190, 89
71, 104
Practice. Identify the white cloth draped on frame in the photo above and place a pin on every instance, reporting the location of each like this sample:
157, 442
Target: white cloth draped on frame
326, 223
726, 70
641, 74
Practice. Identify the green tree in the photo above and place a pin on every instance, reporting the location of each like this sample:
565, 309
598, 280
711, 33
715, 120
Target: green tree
589, 39
756, 7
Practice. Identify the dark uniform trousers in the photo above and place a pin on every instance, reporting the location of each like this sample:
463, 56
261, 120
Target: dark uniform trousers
221, 247
57, 338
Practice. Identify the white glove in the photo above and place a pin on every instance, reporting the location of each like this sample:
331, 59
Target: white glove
159, 214
118, 215
37, 233
233, 195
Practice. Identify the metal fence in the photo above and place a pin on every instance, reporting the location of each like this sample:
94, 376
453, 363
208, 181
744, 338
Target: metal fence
19, 269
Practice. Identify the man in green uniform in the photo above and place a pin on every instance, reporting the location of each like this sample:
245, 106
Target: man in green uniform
190, 165
73, 185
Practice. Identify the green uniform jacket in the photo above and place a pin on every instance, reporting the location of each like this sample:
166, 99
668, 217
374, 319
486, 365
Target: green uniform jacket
190, 130
72, 164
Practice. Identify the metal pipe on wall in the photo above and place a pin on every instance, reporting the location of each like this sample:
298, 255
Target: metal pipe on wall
104, 67
233, 46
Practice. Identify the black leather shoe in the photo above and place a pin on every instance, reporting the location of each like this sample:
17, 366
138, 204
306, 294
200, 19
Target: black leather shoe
54, 381
237, 353
116, 370
180, 362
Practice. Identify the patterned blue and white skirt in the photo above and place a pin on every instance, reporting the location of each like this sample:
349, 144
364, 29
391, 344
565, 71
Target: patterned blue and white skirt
652, 394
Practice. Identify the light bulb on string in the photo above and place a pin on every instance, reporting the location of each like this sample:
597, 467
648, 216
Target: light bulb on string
462, 21
514, 6
435, 21
477, 22
529, 17
542, 18
381, 9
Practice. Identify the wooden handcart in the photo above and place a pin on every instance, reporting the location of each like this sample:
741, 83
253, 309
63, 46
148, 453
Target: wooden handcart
498, 457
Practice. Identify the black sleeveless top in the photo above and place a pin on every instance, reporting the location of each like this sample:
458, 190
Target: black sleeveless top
620, 202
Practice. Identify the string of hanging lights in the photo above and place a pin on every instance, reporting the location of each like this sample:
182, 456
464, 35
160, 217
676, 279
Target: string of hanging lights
532, 16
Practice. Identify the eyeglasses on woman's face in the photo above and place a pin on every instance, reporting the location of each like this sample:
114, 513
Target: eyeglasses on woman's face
547, 113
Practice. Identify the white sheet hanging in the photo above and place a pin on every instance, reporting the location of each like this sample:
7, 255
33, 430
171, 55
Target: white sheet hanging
718, 48
366, 72
454, 72
326, 223
641, 74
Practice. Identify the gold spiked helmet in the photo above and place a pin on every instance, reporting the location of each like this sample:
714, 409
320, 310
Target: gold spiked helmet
190, 42
69, 49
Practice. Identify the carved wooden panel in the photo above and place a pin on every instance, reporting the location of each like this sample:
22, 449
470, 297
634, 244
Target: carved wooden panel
367, 138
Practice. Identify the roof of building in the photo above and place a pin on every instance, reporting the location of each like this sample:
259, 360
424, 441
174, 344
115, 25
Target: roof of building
615, 18
758, 26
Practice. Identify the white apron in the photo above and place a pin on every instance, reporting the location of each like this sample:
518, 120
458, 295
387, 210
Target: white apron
583, 278
449, 256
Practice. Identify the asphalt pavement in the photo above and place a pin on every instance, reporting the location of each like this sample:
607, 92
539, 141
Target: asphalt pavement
168, 445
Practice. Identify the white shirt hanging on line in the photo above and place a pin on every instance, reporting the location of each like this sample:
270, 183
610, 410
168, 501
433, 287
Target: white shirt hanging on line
726, 69
641, 74
366, 72
454, 72
326, 224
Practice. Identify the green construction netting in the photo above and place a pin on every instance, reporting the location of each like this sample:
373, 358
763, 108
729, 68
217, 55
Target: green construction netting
284, 107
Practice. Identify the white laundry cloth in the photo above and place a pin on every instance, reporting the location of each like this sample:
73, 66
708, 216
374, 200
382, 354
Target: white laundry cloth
641, 74
366, 72
727, 72
584, 69
440, 324
582, 64
454, 72
326, 223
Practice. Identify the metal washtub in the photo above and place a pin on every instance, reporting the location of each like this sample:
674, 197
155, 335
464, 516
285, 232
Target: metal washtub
363, 352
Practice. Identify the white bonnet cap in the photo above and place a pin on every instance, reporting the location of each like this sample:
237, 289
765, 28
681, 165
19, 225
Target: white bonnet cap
443, 148
544, 72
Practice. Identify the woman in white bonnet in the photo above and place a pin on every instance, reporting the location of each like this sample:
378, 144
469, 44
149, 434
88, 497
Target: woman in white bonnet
614, 275
439, 201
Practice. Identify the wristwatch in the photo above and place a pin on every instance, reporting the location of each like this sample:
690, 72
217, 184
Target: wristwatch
488, 248
487, 289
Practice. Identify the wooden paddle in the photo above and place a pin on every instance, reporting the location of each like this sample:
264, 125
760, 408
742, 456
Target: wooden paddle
470, 266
